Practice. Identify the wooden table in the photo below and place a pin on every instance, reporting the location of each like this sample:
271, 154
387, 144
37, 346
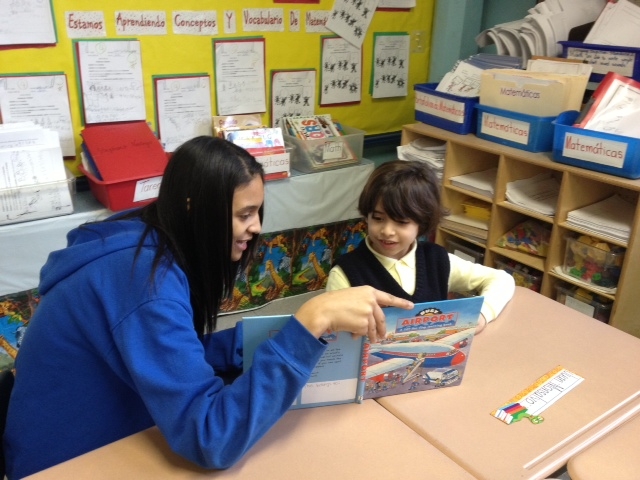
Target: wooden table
532, 336
615, 456
338, 442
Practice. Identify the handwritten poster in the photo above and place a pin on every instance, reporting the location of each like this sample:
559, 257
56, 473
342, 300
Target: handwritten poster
240, 76
351, 19
184, 109
390, 73
292, 94
111, 80
41, 99
341, 80
27, 22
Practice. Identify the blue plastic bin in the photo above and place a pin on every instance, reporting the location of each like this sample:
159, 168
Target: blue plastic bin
603, 152
519, 130
444, 110
604, 58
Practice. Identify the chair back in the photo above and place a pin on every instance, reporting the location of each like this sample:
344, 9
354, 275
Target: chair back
6, 385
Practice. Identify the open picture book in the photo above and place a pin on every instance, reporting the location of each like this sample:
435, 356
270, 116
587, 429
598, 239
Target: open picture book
424, 348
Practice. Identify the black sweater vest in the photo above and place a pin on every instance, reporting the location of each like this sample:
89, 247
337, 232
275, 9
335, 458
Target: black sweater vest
432, 272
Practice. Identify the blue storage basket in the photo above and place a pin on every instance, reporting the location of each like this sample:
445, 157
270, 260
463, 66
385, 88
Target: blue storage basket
459, 110
527, 132
605, 58
602, 152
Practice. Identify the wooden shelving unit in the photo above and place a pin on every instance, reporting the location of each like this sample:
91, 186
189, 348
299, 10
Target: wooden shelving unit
579, 188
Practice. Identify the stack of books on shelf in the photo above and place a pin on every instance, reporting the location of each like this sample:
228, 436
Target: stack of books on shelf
538, 194
34, 183
482, 183
472, 223
611, 218
426, 150
266, 144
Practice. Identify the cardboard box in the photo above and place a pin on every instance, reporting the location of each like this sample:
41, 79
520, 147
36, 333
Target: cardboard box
443, 110
532, 93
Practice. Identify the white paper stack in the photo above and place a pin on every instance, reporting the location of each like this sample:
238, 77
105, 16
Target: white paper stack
539, 193
610, 218
473, 228
33, 179
539, 32
426, 150
465, 76
483, 182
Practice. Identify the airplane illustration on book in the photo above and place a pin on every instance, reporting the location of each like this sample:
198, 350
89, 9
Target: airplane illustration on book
443, 352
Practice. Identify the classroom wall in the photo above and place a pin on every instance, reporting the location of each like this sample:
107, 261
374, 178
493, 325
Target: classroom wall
179, 54
457, 23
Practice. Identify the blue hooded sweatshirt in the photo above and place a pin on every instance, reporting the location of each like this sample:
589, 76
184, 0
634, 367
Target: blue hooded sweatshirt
108, 354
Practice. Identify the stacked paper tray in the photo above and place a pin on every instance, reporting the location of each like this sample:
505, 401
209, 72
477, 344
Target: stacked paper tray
527, 132
613, 154
444, 110
38, 200
604, 58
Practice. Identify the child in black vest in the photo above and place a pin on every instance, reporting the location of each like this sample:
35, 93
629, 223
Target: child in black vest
401, 204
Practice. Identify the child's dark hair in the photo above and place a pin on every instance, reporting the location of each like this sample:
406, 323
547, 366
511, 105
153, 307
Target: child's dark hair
407, 190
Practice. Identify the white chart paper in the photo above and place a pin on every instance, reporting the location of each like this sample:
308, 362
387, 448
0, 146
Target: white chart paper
111, 80
240, 76
42, 99
184, 109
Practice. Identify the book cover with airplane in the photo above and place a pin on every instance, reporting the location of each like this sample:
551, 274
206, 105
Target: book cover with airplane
424, 348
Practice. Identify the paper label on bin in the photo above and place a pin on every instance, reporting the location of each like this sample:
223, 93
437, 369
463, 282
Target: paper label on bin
579, 306
594, 149
440, 107
506, 128
332, 151
147, 189
274, 163
604, 61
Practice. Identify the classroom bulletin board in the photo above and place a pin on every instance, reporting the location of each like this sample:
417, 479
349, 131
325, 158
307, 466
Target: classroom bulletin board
176, 54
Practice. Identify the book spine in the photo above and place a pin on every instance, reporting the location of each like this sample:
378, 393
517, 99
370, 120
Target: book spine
364, 362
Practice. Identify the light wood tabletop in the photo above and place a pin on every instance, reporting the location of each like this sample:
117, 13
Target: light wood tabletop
342, 441
531, 336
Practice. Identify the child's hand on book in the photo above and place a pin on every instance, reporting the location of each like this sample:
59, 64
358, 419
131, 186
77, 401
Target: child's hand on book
356, 310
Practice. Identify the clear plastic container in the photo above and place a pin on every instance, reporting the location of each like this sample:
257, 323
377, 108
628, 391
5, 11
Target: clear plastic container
524, 276
37, 201
593, 261
584, 301
310, 156
465, 251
